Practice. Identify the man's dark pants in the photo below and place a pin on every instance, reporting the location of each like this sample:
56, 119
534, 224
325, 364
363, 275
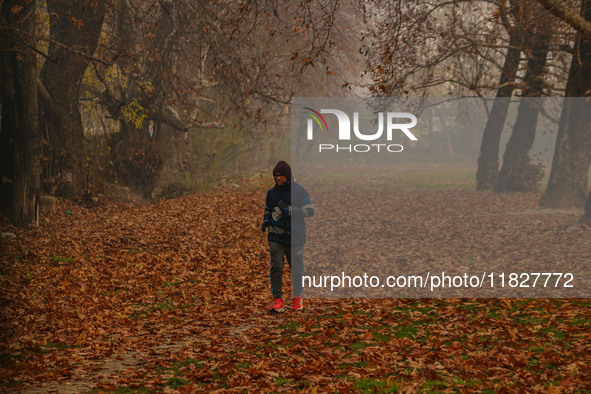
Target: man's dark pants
295, 259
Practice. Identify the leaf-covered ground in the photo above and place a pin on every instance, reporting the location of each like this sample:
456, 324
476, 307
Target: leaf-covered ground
174, 296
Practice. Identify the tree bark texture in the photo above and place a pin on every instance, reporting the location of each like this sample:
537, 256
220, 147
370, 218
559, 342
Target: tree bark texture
20, 141
77, 26
518, 173
567, 186
488, 161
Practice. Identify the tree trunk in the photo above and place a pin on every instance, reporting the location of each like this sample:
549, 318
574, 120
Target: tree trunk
19, 133
567, 186
488, 161
77, 25
518, 173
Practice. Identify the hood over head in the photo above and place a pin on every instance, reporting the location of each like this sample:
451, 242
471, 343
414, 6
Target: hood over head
284, 169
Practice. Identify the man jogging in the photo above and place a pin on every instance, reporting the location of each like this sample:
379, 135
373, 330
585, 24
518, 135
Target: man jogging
286, 207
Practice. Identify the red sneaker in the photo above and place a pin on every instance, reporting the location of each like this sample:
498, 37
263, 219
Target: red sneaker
277, 306
297, 304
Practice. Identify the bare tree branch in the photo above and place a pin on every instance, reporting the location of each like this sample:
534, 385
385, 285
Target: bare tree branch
568, 15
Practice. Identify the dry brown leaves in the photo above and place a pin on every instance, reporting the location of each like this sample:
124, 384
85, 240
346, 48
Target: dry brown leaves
174, 296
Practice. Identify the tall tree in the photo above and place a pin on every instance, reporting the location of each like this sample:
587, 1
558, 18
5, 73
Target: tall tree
518, 173
488, 161
19, 132
567, 186
531, 35
75, 28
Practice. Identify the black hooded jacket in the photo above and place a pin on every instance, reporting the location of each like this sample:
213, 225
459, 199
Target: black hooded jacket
287, 230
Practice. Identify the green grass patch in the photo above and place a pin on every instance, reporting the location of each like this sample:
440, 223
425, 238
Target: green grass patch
537, 349
586, 304
517, 306
175, 383
381, 337
176, 368
60, 259
360, 312
358, 345
50, 347
554, 383
434, 384
406, 332
185, 363
290, 326
281, 381
58, 346
469, 307
529, 320
266, 346
552, 366
410, 370
370, 385
467, 383
580, 321
144, 310
358, 364
532, 362
165, 306
411, 310
554, 332
369, 328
